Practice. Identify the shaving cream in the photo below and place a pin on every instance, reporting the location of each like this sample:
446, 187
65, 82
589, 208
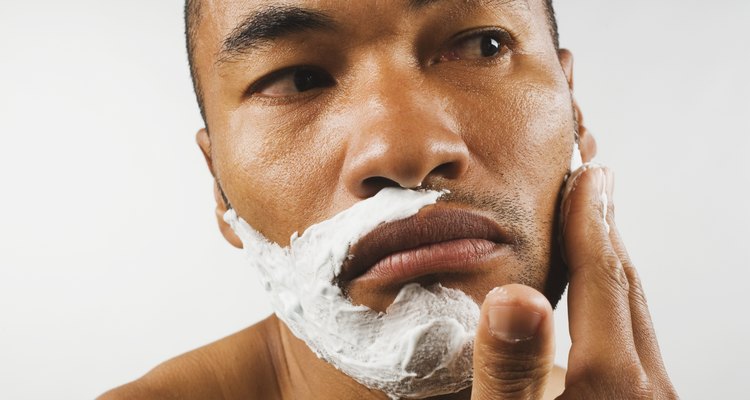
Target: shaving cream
421, 346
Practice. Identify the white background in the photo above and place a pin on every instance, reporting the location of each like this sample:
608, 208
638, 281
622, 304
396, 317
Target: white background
110, 261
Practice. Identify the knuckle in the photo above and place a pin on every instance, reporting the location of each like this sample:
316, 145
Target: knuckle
512, 374
632, 275
610, 270
504, 389
616, 277
633, 381
625, 382
638, 384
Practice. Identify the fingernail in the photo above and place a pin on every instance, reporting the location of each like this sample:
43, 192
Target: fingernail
570, 187
513, 323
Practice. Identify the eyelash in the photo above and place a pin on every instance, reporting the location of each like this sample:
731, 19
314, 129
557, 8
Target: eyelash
503, 38
499, 34
270, 78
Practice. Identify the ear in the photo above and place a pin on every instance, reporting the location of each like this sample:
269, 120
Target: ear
204, 143
586, 141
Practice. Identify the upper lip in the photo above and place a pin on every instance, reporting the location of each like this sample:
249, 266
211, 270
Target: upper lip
431, 225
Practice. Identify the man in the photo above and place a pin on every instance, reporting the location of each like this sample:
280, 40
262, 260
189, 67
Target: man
314, 106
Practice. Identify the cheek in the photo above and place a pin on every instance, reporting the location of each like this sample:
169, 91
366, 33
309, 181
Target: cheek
520, 126
277, 172
520, 130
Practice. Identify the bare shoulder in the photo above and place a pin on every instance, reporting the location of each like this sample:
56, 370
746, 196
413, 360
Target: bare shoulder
239, 366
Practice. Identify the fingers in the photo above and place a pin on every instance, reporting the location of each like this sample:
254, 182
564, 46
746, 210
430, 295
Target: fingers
614, 351
514, 347
644, 335
599, 304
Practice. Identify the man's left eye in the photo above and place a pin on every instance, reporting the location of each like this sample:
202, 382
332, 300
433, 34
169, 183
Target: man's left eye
488, 44
292, 81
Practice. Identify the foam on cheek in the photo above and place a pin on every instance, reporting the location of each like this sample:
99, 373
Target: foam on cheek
421, 346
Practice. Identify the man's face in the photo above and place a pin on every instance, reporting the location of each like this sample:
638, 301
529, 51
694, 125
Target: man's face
321, 103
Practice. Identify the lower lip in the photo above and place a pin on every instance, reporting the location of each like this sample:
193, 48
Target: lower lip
453, 256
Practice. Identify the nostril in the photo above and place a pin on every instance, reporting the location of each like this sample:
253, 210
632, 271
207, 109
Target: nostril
449, 170
374, 184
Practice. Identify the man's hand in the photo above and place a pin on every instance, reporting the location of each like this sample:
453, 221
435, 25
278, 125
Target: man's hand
614, 353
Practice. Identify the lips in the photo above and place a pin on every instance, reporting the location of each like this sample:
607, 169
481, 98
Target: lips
438, 239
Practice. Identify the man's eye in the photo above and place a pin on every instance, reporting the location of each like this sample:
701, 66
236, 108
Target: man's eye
480, 45
292, 81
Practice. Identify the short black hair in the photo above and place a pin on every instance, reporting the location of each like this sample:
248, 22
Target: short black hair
193, 16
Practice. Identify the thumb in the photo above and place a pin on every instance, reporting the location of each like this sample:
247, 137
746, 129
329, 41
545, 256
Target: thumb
514, 350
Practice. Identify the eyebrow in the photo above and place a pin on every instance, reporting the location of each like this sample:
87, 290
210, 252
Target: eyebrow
270, 24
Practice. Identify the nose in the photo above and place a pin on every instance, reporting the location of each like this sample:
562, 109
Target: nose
402, 137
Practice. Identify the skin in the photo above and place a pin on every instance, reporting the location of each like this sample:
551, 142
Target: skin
412, 104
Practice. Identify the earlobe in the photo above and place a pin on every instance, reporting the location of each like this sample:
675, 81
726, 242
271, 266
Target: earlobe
586, 141
204, 143
587, 144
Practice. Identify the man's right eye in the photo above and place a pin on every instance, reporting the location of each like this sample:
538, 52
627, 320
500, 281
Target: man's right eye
292, 81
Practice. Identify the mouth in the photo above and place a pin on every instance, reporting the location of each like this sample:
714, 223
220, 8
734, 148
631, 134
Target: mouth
437, 240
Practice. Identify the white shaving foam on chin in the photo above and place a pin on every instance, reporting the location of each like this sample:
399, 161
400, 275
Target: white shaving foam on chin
421, 346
